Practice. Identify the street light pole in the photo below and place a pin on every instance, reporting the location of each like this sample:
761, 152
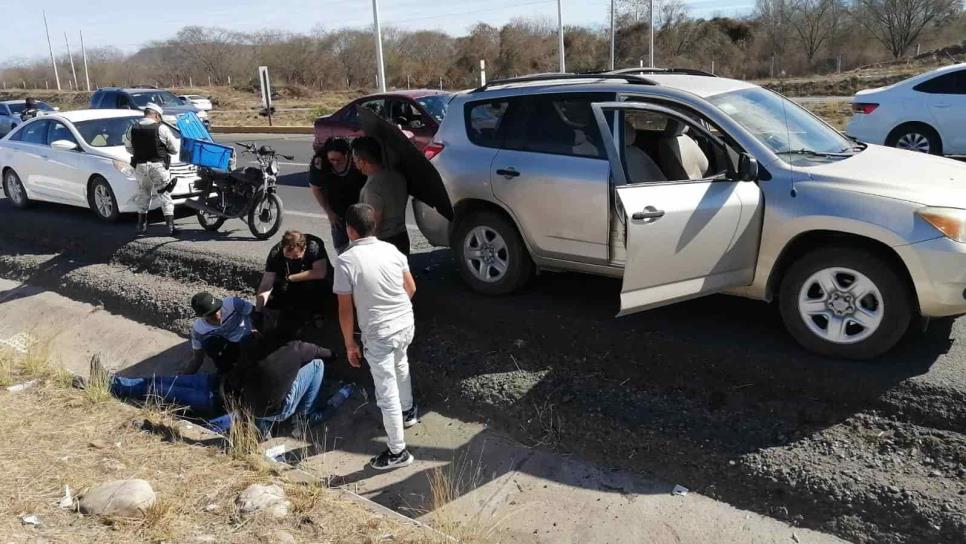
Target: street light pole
560, 35
652, 33
613, 36
51, 47
87, 75
71, 57
378, 30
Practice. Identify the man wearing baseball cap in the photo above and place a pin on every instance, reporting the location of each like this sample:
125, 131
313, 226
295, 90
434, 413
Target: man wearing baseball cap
151, 145
220, 327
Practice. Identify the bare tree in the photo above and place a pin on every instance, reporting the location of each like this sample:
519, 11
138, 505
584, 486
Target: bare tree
896, 24
815, 22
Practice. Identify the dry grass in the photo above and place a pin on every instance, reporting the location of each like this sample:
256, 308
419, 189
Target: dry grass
446, 484
56, 436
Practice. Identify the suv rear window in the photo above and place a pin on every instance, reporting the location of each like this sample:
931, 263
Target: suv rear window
483, 120
561, 124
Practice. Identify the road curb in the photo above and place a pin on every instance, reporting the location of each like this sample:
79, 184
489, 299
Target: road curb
262, 130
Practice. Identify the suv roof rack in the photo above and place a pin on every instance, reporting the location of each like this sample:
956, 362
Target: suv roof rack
629, 78
680, 71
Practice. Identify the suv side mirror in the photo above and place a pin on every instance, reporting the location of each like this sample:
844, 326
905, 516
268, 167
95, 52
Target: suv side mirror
747, 168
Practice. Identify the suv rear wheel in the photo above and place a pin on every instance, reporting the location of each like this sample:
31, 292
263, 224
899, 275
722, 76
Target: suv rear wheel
490, 254
845, 302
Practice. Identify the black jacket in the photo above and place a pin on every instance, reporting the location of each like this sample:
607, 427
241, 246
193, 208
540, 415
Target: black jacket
262, 384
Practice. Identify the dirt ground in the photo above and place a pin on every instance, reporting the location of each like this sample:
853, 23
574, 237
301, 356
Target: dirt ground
55, 435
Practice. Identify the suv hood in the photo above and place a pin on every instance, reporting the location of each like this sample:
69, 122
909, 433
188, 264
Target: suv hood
894, 173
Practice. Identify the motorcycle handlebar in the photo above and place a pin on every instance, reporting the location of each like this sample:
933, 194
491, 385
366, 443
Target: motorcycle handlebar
288, 157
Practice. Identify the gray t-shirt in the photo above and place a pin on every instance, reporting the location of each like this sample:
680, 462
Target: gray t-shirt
386, 192
372, 272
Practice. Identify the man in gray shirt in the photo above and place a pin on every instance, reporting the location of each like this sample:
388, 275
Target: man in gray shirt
373, 278
385, 191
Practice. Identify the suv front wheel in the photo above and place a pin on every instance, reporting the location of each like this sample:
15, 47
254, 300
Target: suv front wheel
845, 302
490, 254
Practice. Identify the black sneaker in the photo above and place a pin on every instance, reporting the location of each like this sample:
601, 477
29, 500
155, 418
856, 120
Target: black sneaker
388, 461
410, 417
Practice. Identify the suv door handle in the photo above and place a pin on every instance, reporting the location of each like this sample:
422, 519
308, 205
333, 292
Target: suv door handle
650, 212
508, 173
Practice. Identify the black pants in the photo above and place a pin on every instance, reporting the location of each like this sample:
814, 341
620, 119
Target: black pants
401, 241
295, 308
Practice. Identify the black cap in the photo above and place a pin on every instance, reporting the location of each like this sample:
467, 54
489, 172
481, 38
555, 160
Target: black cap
205, 304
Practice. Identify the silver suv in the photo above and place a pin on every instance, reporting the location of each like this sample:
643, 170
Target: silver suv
685, 184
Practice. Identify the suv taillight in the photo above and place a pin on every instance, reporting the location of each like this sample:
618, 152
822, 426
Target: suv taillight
433, 149
863, 107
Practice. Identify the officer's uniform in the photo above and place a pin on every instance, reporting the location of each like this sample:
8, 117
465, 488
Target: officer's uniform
152, 145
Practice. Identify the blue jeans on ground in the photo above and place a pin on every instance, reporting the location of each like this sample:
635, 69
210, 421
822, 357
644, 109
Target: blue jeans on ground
302, 397
199, 392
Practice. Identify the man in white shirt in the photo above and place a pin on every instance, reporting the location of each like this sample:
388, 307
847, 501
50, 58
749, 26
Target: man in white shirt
373, 278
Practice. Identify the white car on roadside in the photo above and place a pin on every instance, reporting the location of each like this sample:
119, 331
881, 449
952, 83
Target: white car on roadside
78, 158
198, 101
925, 113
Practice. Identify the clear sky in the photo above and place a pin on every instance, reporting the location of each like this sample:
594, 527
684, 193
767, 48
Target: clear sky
129, 25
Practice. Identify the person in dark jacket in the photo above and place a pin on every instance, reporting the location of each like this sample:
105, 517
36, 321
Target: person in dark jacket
280, 385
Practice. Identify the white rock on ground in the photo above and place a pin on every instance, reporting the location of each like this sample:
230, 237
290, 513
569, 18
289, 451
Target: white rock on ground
278, 537
268, 498
121, 498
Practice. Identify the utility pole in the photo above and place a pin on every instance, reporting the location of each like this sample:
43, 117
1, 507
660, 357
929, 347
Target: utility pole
483, 72
613, 33
378, 31
560, 35
652, 33
71, 57
51, 48
87, 75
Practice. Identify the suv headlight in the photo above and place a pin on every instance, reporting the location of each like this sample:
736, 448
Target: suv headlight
949, 221
124, 168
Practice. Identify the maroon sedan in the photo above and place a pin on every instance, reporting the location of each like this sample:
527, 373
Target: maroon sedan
418, 112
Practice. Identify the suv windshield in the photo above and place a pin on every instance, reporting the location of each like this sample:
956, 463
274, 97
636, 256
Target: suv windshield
105, 132
161, 98
781, 124
436, 105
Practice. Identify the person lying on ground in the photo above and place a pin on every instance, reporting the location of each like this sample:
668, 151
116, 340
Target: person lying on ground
373, 278
229, 319
270, 383
293, 290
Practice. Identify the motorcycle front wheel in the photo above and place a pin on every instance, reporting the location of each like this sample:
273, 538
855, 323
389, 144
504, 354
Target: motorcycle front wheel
265, 218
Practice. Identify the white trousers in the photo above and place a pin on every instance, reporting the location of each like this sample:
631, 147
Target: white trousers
389, 365
152, 178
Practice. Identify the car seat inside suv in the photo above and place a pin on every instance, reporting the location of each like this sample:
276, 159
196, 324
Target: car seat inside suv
681, 157
640, 167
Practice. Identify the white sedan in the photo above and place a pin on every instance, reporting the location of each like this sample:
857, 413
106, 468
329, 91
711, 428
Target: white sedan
925, 113
78, 158
198, 101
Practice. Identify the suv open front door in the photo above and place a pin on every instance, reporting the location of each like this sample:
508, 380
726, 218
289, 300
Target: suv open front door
684, 238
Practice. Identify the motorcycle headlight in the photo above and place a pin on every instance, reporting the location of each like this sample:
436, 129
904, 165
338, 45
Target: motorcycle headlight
124, 168
949, 221
202, 114
273, 168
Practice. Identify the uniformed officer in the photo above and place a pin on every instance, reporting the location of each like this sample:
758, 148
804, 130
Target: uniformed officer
151, 145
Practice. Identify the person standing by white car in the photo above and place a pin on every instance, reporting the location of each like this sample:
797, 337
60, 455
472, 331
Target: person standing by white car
151, 145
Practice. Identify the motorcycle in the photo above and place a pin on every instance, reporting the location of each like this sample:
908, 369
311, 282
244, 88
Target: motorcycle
220, 196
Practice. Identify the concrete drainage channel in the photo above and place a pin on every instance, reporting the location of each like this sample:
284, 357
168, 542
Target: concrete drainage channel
871, 456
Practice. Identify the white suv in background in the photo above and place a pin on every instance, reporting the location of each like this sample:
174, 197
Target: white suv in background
925, 113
